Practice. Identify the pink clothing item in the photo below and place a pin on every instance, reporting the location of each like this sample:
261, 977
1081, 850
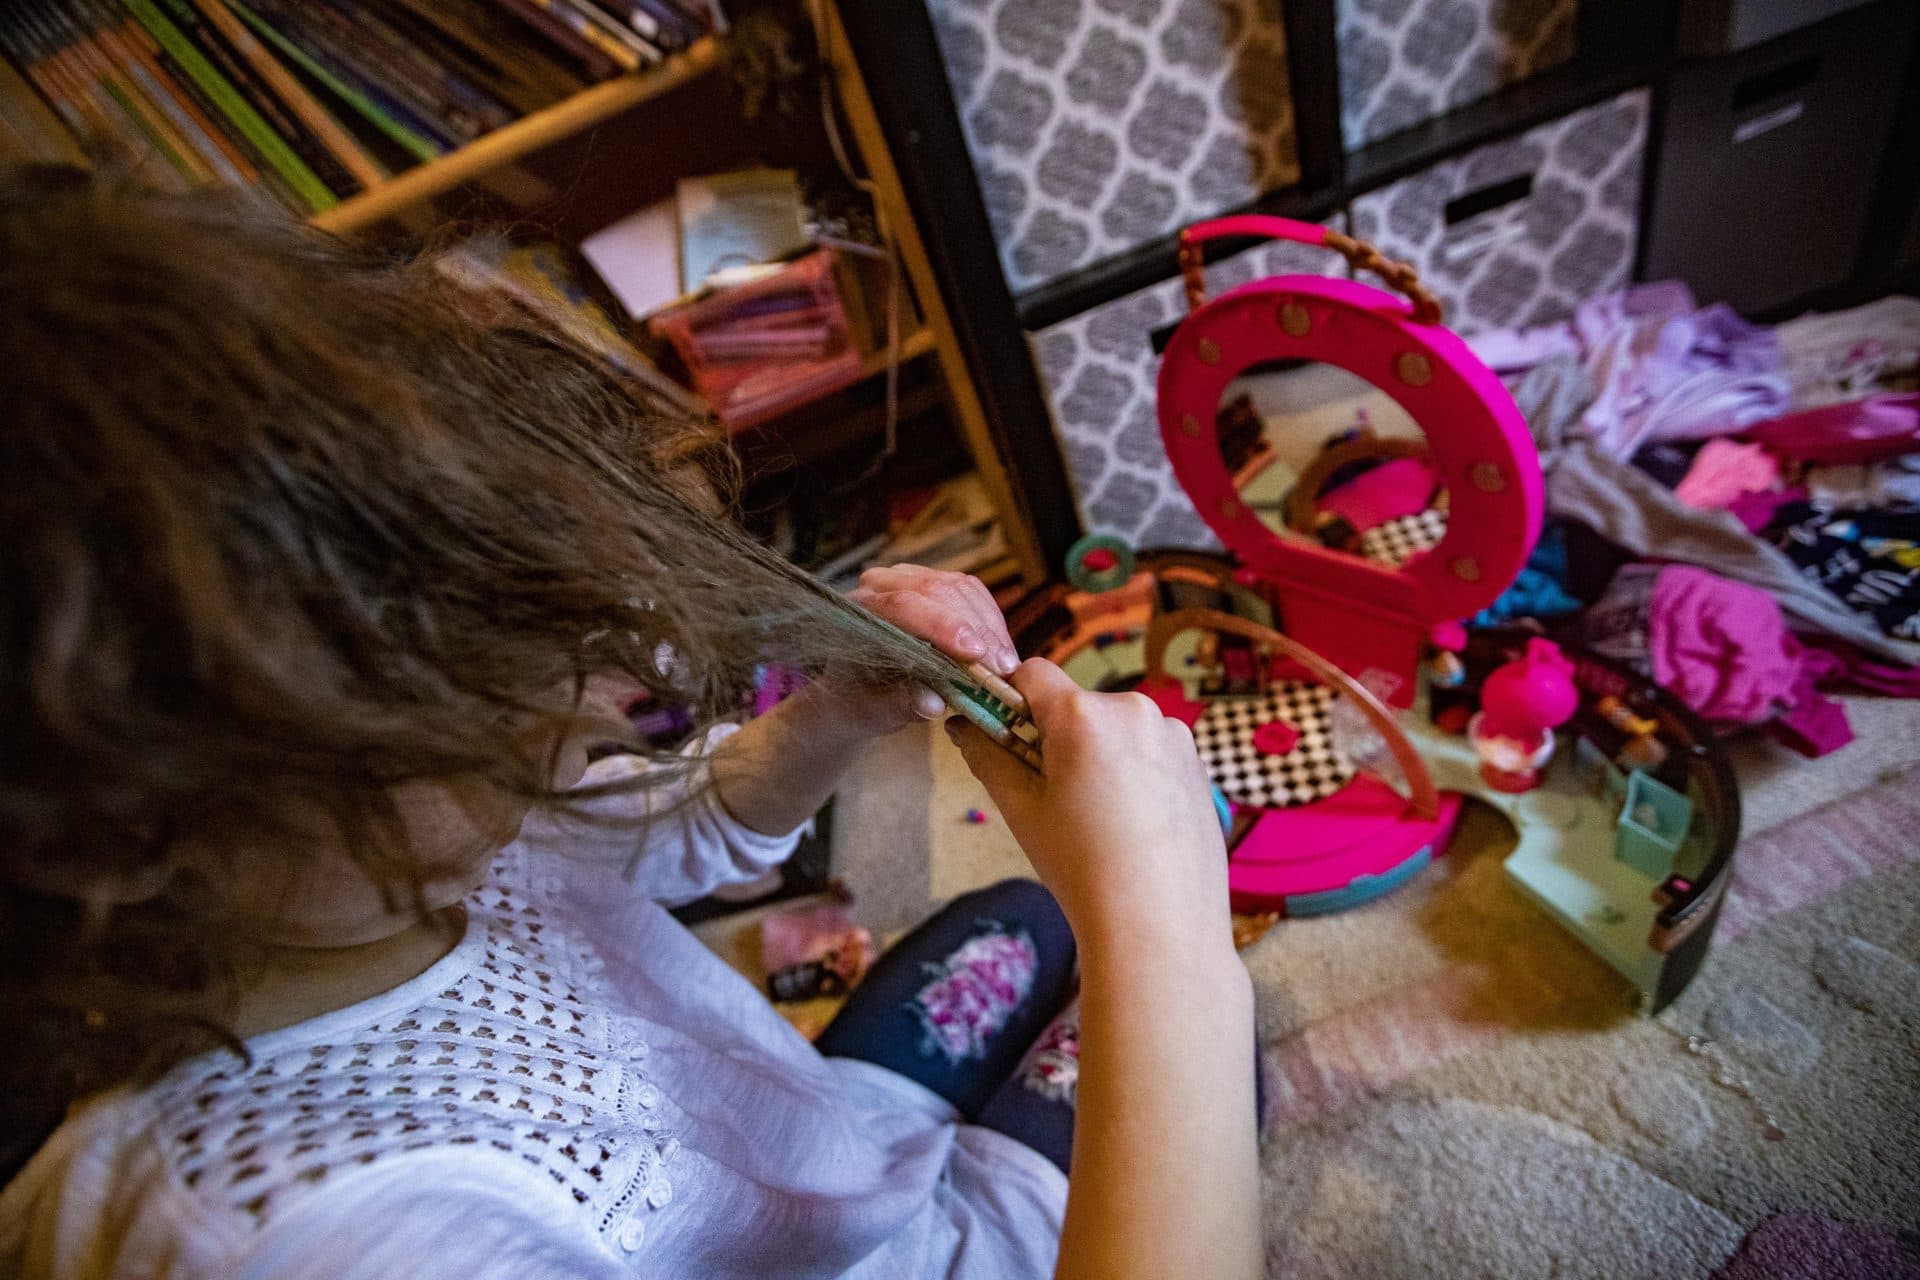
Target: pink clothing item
1756, 510
1883, 426
1724, 470
1720, 646
1392, 489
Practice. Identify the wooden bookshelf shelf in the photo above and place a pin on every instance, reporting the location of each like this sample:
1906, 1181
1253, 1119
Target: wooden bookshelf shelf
918, 343
503, 146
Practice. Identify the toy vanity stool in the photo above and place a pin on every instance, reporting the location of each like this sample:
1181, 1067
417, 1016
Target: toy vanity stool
1322, 665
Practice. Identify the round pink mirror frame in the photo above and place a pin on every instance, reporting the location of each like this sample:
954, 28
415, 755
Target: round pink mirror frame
1478, 440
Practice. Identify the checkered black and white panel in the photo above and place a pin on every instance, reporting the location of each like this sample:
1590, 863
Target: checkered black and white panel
1396, 541
1311, 771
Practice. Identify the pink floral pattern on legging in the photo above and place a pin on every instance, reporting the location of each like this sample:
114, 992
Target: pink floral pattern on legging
1052, 1068
973, 992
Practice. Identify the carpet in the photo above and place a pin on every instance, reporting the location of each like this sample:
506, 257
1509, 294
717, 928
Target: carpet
1457, 1089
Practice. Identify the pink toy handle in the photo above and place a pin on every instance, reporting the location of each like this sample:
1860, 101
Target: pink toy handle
1400, 276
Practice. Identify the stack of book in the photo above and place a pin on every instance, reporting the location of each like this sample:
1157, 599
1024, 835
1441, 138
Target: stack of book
313, 100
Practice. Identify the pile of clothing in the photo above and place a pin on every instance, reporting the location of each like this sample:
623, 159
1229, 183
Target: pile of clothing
1734, 509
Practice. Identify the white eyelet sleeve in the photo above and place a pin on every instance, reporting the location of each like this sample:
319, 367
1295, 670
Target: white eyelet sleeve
672, 843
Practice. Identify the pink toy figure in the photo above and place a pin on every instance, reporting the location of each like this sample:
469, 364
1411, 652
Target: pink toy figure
1521, 704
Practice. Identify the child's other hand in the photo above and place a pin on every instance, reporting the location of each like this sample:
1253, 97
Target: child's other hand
1122, 827
953, 611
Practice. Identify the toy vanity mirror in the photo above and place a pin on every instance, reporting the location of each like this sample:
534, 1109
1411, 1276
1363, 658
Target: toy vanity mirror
1418, 514
1318, 454
1375, 486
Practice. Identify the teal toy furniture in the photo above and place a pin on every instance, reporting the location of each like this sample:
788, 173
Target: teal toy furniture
1653, 823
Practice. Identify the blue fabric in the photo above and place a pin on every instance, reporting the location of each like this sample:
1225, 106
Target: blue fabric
1027, 1114
884, 1021
1539, 591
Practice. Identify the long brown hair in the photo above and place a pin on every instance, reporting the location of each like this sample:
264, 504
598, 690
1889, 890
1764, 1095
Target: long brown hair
283, 523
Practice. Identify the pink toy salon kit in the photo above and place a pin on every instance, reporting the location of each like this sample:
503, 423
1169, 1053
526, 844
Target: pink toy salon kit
1340, 707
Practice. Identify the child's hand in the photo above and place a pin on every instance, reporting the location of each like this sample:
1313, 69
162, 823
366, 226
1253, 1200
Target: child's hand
1121, 828
953, 611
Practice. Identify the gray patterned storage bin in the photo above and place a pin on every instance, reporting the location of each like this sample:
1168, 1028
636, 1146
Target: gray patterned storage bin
1099, 368
1098, 125
1403, 62
1562, 226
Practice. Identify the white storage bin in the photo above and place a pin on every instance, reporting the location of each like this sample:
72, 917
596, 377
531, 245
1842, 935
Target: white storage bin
1095, 128
1522, 231
1403, 62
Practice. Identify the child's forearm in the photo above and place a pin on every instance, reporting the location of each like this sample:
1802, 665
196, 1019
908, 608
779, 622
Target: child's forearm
1166, 1178
778, 770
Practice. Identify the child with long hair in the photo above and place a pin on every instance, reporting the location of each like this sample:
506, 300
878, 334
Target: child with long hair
330, 952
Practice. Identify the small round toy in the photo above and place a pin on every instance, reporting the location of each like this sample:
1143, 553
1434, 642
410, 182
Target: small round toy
975, 817
1099, 562
1521, 704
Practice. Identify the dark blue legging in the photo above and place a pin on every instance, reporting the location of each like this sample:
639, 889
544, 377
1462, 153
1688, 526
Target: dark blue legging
997, 965
958, 1002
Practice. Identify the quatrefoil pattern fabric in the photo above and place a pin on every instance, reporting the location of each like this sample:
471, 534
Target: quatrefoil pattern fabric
1569, 236
1098, 125
1403, 62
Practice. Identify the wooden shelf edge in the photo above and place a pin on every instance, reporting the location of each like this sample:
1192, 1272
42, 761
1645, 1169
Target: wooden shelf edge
913, 345
508, 143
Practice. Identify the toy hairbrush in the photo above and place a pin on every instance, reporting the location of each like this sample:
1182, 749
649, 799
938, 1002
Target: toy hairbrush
997, 709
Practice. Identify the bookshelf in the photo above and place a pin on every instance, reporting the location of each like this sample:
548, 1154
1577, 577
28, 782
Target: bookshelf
608, 104
409, 120
413, 187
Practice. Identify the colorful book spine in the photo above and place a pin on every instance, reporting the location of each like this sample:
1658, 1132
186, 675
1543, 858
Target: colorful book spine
153, 133
616, 27
663, 31
95, 61
435, 105
122, 40
346, 150
628, 56
407, 57
494, 52
315, 29
173, 91
597, 64
418, 145
90, 113
241, 74
36, 69
31, 131
675, 16
294, 171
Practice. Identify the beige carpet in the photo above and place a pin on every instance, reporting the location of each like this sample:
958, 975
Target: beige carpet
1456, 1088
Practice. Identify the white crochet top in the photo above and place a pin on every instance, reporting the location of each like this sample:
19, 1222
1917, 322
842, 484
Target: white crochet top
578, 1089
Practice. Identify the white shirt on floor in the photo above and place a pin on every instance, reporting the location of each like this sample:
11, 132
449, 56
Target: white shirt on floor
578, 1089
